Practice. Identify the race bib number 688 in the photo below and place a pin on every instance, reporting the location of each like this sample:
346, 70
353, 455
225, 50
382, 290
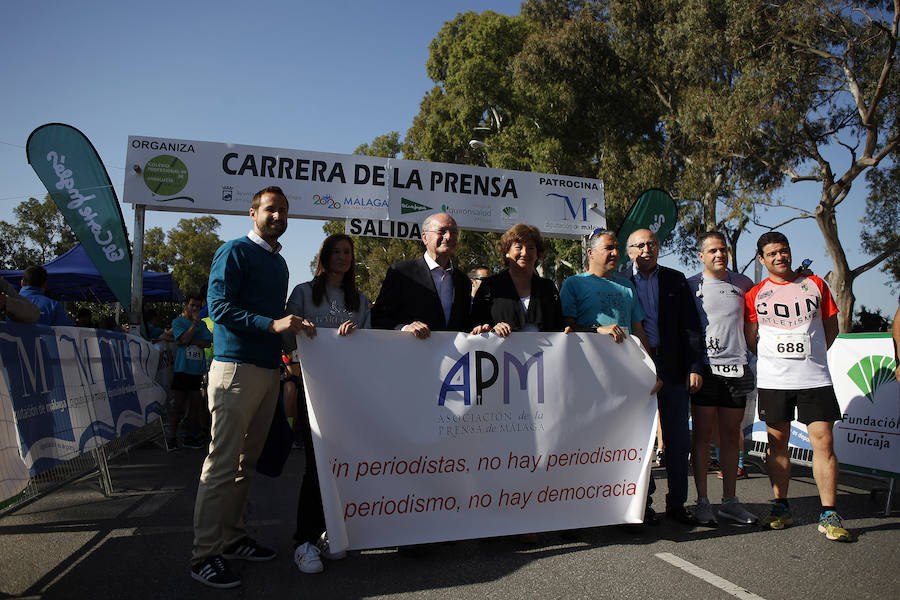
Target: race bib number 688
789, 345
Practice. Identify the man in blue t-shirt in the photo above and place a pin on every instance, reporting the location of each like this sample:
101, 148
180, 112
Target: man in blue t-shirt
191, 337
595, 301
34, 285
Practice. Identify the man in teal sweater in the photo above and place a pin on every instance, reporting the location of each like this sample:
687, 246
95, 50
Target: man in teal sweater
247, 291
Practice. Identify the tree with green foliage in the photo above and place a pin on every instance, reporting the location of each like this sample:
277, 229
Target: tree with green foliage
847, 52
715, 96
881, 234
869, 321
479, 97
388, 145
39, 235
747, 106
187, 249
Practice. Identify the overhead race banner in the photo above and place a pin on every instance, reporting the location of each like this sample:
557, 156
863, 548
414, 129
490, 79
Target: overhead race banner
196, 176
69, 390
460, 436
862, 371
71, 170
654, 210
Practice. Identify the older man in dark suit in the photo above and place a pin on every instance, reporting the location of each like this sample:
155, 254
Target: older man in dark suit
427, 293
676, 344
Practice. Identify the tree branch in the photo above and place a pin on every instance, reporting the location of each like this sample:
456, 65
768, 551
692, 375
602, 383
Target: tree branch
891, 249
773, 228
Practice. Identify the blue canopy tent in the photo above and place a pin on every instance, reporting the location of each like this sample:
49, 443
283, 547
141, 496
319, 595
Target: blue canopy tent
73, 276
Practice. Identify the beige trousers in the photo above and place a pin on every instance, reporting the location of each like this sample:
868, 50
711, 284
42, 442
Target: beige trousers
242, 400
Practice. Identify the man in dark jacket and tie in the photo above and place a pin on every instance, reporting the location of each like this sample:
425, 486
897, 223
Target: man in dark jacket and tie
427, 293
676, 344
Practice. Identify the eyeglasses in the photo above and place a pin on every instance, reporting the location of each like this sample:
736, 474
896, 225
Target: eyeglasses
452, 231
650, 245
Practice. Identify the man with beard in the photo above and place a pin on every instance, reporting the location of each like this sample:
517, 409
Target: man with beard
247, 290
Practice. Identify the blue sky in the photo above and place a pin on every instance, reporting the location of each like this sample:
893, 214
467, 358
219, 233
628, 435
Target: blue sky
304, 75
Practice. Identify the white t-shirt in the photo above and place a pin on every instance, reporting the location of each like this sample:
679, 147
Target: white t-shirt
792, 348
720, 304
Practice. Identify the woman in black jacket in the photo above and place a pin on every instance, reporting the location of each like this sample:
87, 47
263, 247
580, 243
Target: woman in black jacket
517, 299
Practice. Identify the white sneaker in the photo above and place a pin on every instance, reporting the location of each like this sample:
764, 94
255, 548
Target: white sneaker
733, 510
307, 558
325, 549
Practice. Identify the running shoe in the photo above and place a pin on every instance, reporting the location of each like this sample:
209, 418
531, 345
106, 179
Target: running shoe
740, 474
193, 443
215, 572
248, 549
733, 510
307, 559
831, 525
704, 513
779, 518
325, 549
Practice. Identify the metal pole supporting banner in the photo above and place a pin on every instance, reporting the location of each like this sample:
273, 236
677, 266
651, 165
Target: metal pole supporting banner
137, 271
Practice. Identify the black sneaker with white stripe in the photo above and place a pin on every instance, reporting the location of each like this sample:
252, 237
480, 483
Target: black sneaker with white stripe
248, 549
215, 572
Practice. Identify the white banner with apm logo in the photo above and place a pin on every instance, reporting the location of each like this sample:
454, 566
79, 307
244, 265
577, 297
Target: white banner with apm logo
211, 177
460, 436
67, 390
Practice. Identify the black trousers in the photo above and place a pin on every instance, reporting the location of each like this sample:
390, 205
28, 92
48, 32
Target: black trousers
310, 514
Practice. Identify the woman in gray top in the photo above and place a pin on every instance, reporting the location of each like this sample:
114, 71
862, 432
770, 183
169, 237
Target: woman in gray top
330, 300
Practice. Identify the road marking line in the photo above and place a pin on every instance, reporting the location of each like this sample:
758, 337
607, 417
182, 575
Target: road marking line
723, 584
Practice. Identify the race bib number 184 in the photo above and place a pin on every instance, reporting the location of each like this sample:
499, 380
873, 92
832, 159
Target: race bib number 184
727, 370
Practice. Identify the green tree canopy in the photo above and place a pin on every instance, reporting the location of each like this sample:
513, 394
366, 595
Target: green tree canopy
188, 249
39, 235
881, 234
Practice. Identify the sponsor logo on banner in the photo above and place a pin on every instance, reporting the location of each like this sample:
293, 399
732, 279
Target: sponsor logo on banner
871, 373
458, 378
366, 203
573, 214
327, 201
165, 175
478, 212
656, 223
408, 206
227, 193
509, 211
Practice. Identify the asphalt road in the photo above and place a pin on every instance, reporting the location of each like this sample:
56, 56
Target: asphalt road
75, 543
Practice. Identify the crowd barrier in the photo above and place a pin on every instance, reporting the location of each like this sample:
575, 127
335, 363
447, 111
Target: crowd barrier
70, 398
